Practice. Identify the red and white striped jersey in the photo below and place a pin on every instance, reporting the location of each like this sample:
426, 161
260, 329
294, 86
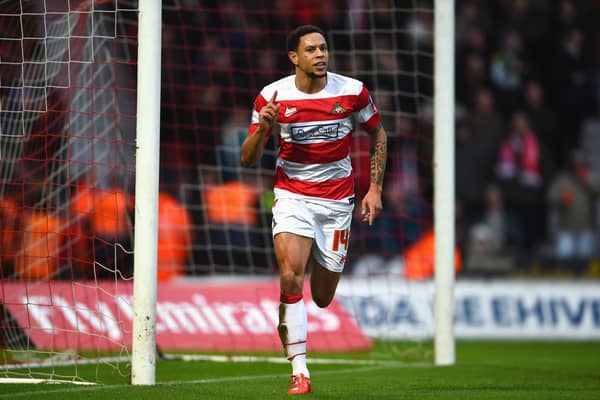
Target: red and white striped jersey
315, 132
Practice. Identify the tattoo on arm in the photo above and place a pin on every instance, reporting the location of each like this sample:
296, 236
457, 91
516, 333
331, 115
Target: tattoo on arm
378, 154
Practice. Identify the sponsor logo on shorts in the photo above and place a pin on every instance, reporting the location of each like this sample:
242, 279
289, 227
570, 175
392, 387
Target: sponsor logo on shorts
322, 131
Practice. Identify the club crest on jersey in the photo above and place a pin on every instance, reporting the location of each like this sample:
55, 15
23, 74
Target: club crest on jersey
337, 108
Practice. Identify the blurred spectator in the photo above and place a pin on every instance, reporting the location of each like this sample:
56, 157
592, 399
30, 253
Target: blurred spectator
10, 239
508, 70
175, 237
472, 78
497, 231
543, 124
519, 154
419, 263
531, 19
235, 130
470, 22
571, 197
491, 240
590, 150
105, 215
573, 90
518, 171
472, 171
39, 255
590, 141
543, 121
207, 105
486, 123
472, 63
567, 17
232, 212
419, 26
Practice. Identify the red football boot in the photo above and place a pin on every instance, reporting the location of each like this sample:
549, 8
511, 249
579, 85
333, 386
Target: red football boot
300, 385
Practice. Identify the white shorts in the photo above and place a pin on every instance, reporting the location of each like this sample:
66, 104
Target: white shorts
328, 226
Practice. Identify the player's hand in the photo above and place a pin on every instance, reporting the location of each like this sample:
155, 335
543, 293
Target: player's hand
268, 114
371, 205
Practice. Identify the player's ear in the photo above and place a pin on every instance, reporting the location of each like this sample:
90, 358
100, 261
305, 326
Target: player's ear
293, 56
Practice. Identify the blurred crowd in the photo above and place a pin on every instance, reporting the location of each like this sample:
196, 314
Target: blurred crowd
528, 131
527, 135
527, 115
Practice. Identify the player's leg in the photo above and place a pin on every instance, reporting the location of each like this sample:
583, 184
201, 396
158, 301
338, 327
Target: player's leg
328, 255
323, 284
292, 252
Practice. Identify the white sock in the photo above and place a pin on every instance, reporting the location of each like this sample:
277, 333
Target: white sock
293, 331
299, 365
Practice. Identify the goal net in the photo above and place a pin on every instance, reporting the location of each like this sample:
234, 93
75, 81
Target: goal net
216, 62
67, 162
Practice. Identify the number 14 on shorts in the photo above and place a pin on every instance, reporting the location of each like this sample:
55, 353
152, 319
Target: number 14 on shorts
340, 238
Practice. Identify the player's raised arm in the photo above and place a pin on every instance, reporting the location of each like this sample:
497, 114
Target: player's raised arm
371, 205
253, 146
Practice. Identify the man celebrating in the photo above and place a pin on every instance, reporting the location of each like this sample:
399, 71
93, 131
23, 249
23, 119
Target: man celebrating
314, 183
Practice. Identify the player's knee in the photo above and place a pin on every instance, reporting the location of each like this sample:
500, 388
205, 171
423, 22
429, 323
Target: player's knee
322, 300
290, 282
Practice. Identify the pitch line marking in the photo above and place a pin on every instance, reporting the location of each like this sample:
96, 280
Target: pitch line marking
63, 389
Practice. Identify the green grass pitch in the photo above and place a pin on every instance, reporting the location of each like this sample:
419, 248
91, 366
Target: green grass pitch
483, 370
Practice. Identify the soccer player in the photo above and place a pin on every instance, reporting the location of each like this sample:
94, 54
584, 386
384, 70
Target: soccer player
315, 111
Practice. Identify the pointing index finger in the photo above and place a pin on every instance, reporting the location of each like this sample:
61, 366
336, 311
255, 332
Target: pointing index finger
273, 98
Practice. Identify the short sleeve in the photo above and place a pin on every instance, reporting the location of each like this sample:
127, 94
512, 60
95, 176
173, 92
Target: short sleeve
367, 114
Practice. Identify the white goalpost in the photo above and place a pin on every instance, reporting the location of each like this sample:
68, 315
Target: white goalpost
143, 351
444, 181
79, 53
67, 163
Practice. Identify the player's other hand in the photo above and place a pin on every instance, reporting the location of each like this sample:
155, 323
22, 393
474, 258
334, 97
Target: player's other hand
268, 114
371, 205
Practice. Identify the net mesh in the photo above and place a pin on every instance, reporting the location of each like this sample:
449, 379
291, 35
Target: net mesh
216, 62
67, 158
67, 143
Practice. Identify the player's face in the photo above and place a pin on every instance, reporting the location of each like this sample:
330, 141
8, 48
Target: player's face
312, 56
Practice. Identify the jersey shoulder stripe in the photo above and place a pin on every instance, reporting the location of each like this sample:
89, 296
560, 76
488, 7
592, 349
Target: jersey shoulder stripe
342, 85
337, 85
283, 86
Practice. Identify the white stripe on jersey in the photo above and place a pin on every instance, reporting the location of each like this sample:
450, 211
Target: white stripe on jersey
337, 85
316, 172
366, 113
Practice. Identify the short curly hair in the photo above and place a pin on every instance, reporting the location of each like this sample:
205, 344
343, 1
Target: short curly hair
293, 38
